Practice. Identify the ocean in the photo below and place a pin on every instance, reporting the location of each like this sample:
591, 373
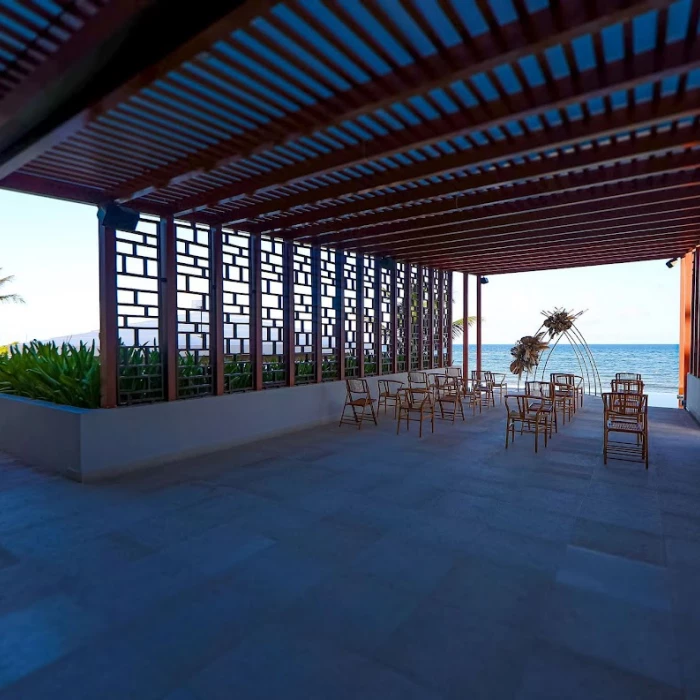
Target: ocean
658, 364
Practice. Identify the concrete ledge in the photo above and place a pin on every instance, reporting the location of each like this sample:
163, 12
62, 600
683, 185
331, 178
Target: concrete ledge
692, 400
89, 445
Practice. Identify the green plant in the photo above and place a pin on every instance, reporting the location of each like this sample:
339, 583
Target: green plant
9, 298
67, 375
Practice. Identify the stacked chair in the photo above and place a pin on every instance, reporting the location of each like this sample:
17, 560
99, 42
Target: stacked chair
625, 412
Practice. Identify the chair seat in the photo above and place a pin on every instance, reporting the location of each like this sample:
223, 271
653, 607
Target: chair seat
361, 402
625, 425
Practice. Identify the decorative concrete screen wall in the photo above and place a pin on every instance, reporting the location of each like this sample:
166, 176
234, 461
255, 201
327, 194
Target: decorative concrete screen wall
191, 311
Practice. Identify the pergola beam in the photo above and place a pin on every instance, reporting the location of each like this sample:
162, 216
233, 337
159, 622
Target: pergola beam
616, 240
496, 264
482, 117
606, 208
564, 137
580, 228
109, 60
560, 263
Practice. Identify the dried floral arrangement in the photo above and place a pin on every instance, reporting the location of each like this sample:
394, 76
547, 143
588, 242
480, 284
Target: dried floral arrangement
559, 321
526, 353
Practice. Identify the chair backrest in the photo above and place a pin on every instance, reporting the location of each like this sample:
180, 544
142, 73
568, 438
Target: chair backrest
628, 377
389, 387
564, 378
413, 398
446, 386
627, 386
454, 372
482, 377
544, 390
625, 404
418, 380
520, 402
357, 388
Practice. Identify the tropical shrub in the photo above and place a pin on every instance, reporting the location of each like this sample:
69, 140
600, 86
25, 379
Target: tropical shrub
66, 375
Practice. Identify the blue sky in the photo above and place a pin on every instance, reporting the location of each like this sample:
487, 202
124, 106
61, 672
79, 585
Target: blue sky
51, 248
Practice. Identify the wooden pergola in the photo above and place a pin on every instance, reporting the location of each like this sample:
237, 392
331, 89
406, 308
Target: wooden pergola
356, 151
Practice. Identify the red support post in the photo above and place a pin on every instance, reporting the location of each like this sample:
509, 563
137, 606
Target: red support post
288, 311
465, 328
256, 349
419, 293
216, 309
393, 311
478, 322
685, 327
316, 312
450, 350
408, 316
360, 315
340, 312
378, 349
441, 318
168, 306
695, 317
109, 326
431, 317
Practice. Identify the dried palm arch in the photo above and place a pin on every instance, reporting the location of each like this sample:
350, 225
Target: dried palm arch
559, 324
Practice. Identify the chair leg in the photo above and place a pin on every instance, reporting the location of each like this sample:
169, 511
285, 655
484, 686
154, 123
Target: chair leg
507, 430
398, 423
374, 415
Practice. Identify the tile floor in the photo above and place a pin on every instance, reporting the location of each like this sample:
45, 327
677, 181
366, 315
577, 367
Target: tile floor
336, 564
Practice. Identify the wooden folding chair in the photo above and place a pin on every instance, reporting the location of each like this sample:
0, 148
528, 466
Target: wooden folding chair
358, 399
544, 393
626, 413
416, 402
482, 382
528, 414
449, 398
388, 392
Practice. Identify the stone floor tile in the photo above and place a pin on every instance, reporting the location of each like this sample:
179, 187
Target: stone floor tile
634, 638
40, 634
620, 541
554, 673
356, 612
618, 577
404, 564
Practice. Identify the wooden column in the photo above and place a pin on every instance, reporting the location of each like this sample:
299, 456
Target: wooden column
216, 309
408, 320
465, 336
450, 352
393, 311
256, 352
168, 306
685, 327
431, 317
421, 342
109, 326
695, 316
316, 313
288, 312
441, 318
478, 322
378, 314
360, 314
340, 311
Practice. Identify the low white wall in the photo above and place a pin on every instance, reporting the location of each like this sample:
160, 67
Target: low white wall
42, 434
692, 400
94, 444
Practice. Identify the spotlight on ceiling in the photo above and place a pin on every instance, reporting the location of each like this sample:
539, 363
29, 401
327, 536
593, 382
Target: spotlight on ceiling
484, 280
672, 263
